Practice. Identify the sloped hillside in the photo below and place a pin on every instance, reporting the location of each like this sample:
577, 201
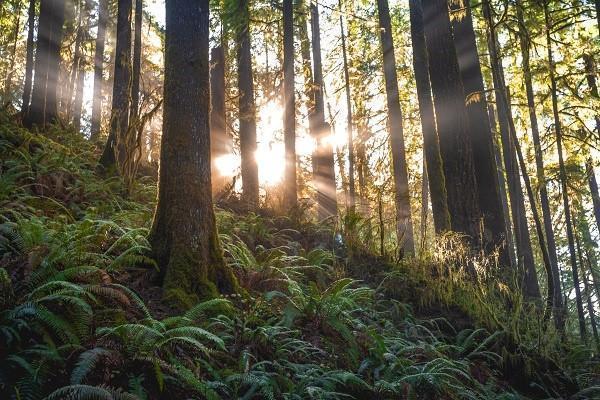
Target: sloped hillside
318, 318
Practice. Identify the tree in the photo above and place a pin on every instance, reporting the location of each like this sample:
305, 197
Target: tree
290, 194
43, 109
134, 112
247, 105
184, 236
539, 162
563, 172
403, 213
434, 166
99, 69
349, 119
220, 142
488, 189
325, 169
526, 273
29, 58
451, 119
119, 116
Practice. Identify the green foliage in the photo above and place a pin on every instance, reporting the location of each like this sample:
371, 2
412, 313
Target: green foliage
72, 325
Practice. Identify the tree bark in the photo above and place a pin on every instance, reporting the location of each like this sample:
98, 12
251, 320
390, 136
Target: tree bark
431, 146
290, 193
452, 122
349, 118
119, 116
539, 162
134, 113
43, 109
247, 107
325, 177
526, 274
99, 70
563, 174
29, 58
221, 143
484, 162
404, 226
586, 286
184, 235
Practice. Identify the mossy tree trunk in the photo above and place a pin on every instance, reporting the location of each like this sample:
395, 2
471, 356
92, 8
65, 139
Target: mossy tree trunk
121, 98
431, 146
220, 142
484, 162
404, 227
43, 109
184, 236
452, 122
99, 69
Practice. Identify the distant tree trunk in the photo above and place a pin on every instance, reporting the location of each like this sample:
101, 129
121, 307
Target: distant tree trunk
134, 112
184, 236
484, 162
43, 109
28, 58
424, 207
452, 122
80, 81
550, 297
220, 142
400, 170
325, 177
119, 116
13, 54
67, 101
431, 146
539, 162
502, 185
587, 289
99, 70
526, 263
563, 174
351, 184
290, 193
247, 107
590, 72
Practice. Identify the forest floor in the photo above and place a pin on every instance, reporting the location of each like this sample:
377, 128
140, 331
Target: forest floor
81, 316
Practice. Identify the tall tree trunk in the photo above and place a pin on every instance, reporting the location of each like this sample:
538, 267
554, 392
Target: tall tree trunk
325, 177
184, 236
28, 58
290, 194
119, 116
526, 264
67, 101
424, 208
349, 118
431, 146
563, 174
220, 142
13, 56
247, 107
586, 286
539, 162
404, 227
593, 184
484, 162
590, 72
99, 70
80, 81
43, 109
452, 122
134, 113
502, 185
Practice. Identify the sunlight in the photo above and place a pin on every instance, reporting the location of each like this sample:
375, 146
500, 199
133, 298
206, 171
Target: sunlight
227, 164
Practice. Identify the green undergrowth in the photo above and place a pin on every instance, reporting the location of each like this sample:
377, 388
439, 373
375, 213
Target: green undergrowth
81, 317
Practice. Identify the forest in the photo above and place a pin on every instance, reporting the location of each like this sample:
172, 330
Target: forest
299, 199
